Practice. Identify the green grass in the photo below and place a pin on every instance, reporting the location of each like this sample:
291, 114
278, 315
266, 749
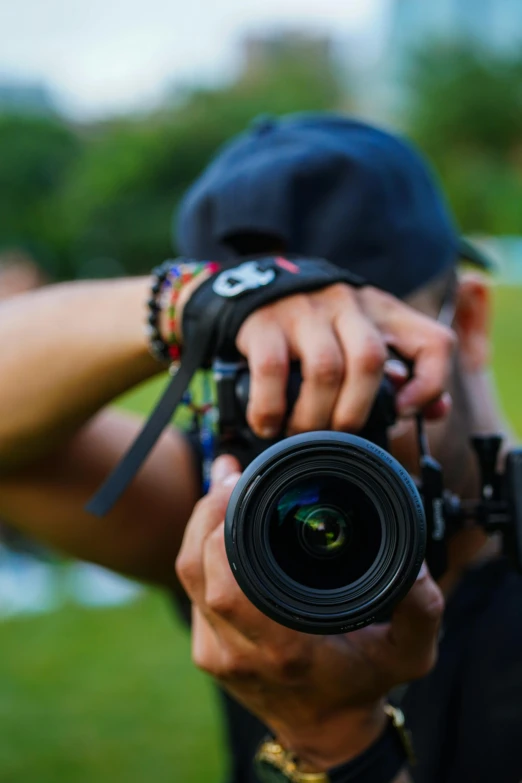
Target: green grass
104, 696
110, 695
507, 351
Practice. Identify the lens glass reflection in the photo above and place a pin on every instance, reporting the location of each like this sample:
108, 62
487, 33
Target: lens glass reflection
324, 533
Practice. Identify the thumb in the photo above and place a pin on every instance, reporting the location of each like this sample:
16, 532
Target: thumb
224, 467
416, 620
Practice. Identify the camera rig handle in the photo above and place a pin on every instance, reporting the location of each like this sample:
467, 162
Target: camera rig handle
499, 509
487, 449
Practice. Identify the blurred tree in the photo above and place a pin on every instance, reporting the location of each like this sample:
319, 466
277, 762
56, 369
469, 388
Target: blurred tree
117, 204
465, 112
35, 153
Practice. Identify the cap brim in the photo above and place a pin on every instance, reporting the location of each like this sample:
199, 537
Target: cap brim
470, 252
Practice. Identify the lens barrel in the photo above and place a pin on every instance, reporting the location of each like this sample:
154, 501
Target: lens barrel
325, 532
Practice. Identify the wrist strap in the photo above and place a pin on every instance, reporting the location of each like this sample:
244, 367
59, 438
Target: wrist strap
252, 285
116, 484
211, 320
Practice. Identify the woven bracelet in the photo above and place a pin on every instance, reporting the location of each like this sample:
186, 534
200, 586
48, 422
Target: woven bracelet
168, 280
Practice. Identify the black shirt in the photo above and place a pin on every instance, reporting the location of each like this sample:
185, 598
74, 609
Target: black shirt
466, 715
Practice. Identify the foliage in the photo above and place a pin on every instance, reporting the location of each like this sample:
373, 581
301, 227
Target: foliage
465, 112
98, 201
36, 153
112, 208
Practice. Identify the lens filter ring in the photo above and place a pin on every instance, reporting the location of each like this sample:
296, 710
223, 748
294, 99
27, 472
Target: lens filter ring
307, 594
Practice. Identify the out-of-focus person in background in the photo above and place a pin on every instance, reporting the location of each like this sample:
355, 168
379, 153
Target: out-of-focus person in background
363, 199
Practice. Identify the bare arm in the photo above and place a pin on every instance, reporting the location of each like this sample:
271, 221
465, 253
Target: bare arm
66, 351
74, 348
142, 534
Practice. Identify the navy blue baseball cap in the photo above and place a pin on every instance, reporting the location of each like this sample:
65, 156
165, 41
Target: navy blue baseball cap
328, 186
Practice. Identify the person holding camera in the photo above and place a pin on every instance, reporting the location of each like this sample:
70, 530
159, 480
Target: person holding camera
317, 187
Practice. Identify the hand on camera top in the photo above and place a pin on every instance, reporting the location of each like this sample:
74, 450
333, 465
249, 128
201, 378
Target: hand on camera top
321, 695
340, 335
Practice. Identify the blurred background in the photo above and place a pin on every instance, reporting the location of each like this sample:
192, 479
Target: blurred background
108, 110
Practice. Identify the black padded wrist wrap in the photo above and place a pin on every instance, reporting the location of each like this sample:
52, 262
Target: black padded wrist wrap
211, 320
253, 284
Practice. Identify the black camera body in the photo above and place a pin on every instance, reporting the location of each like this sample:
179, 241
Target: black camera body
236, 437
326, 532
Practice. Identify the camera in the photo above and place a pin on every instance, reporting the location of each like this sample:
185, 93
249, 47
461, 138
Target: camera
326, 532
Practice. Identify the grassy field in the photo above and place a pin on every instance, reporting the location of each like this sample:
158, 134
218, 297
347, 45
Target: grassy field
110, 695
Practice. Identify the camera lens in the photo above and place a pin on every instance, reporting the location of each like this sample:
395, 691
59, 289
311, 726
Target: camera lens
325, 532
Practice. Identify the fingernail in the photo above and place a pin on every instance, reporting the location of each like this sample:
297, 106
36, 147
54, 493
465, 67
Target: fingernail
446, 400
231, 479
395, 367
220, 470
268, 433
423, 571
439, 408
399, 429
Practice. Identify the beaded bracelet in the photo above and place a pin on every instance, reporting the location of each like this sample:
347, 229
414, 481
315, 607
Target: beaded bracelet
168, 281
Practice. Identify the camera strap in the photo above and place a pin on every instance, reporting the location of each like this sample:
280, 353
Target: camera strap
211, 320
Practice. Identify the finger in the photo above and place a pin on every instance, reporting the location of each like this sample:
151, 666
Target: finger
251, 640
439, 408
223, 652
225, 599
399, 375
415, 625
418, 338
432, 366
223, 467
227, 659
262, 341
365, 355
315, 343
397, 372
207, 652
207, 515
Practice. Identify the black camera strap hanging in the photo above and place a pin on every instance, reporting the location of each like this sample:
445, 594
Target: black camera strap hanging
118, 481
432, 491
211, 320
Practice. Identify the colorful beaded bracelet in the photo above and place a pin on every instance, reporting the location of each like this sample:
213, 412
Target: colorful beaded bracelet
168, 280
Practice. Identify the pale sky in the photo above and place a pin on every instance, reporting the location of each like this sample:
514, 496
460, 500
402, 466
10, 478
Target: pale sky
102, 56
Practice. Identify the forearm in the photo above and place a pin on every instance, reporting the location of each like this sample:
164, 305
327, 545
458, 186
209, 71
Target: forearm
65, 352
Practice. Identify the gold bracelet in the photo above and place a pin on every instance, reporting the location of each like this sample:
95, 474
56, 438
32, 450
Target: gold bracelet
271, 756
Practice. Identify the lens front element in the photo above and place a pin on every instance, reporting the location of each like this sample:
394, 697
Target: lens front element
323, 530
